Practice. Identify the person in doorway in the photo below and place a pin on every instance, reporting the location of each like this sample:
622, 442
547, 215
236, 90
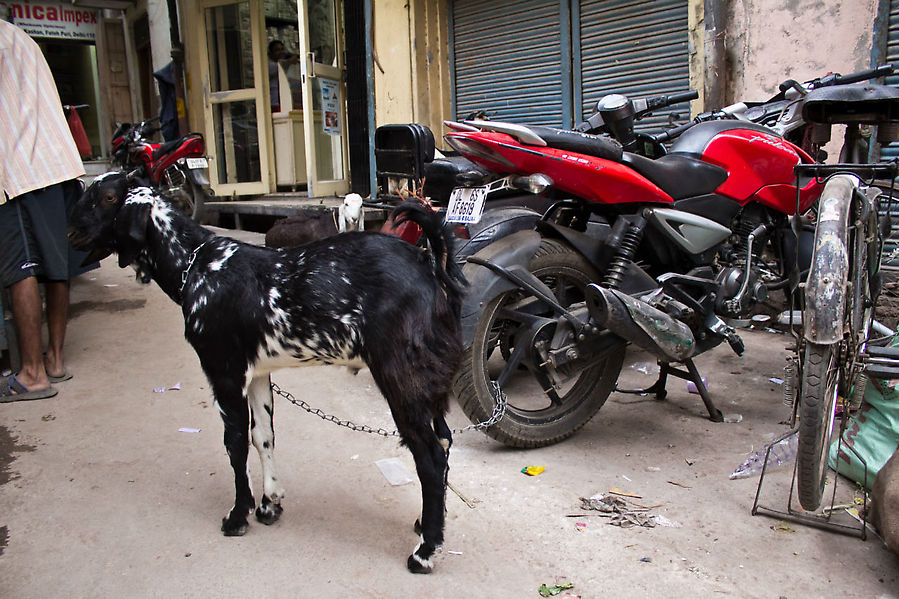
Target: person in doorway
39, 167
277, 57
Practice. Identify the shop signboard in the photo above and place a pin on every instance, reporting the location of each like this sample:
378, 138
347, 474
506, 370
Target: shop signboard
54, 20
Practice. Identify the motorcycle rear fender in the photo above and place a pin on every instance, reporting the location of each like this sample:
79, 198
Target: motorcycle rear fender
825, 289
199, 176
589, 246
635, 280
496, 223
514, 253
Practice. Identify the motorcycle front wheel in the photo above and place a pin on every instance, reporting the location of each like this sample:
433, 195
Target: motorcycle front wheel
535, 416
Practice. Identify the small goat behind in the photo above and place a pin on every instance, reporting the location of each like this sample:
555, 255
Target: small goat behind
356, 299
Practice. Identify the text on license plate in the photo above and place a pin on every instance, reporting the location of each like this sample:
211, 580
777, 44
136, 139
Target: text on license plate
197, 163
466, 205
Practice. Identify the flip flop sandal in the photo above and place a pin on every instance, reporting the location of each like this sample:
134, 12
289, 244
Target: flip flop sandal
12, 390
58, 379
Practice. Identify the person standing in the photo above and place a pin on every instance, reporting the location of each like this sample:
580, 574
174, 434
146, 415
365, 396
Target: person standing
39, 166
278, 58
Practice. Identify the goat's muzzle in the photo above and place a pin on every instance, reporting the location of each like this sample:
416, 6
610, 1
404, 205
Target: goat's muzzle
83, 243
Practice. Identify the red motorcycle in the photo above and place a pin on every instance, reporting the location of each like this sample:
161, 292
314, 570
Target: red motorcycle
668, 250
177, 169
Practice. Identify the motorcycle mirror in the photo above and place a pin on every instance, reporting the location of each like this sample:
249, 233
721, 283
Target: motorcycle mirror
618, 113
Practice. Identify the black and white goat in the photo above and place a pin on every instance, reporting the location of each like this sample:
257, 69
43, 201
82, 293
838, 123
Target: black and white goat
355, 299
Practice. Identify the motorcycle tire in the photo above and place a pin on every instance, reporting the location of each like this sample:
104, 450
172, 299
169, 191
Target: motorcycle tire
817, 407
531, 418
181, 192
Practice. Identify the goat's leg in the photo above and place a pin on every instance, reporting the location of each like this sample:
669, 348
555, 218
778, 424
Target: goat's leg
445, 439
262, 431
430, 463
235, 415
444, 435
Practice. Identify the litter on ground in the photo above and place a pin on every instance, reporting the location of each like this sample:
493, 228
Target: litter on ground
533, 470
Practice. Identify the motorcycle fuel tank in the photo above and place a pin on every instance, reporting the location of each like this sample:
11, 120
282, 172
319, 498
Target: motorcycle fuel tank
760, 168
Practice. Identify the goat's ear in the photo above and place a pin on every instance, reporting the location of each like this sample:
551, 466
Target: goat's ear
131, 231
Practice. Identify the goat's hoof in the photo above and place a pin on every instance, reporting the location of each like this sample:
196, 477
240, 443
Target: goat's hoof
268, 513
417, 526
234, 529
417, 565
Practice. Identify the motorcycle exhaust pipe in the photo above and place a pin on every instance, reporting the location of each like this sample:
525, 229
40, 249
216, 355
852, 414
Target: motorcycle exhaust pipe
639, 323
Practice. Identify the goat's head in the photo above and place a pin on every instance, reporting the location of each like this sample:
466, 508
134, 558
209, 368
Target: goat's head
111, 216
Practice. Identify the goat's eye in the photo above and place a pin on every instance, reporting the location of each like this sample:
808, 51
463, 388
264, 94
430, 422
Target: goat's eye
109, 198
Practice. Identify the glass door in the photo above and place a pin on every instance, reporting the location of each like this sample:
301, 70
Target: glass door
321, 65
233, 96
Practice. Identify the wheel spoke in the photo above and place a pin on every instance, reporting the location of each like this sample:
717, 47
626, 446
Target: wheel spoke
515, 330
511, 364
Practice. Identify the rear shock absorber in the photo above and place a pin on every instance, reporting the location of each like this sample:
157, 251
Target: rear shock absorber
625, 238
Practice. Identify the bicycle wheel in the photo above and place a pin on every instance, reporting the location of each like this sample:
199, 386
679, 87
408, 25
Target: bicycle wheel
818, 396
830, 368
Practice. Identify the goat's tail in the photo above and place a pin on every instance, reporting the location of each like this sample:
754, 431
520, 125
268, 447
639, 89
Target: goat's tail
441, 241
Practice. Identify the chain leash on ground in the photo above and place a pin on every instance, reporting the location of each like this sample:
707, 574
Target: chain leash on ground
500, 401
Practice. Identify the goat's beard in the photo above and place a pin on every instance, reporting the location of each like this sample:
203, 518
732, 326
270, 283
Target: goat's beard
142, 268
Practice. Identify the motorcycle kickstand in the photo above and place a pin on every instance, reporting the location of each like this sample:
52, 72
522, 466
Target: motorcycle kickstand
691, 374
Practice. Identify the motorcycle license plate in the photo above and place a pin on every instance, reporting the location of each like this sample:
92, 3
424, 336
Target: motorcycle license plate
197, 163
466, 205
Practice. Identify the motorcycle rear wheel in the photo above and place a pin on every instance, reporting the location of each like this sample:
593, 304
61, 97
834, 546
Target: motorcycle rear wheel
532, 419
182, 193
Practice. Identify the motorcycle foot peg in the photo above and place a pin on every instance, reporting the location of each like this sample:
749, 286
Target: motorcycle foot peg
736, 344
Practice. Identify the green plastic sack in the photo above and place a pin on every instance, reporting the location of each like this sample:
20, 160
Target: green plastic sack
873, 433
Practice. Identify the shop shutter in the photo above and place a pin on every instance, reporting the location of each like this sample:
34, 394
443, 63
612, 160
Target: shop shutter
892, 57
890, 152
636, 48
508, 60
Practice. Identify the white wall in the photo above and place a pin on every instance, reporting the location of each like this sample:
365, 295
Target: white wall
769, 41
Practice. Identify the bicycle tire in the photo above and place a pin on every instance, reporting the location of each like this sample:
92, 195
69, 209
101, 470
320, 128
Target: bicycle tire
820, 381
830, 370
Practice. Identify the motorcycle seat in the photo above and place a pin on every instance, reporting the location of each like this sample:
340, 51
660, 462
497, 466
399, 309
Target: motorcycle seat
165, 148
601, 146
168, 146
680, 175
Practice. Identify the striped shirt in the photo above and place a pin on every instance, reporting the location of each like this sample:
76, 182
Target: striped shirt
36, 145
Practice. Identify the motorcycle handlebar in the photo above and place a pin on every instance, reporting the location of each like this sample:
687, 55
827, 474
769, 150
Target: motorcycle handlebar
670, 134
645, 106
837, 79
682, 97
880, 71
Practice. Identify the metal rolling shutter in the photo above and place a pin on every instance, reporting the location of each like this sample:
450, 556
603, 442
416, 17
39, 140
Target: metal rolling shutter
891, 245
508, 60
636, 48
892, 56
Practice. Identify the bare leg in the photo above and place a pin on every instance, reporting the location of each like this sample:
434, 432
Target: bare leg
57, 318
26, 305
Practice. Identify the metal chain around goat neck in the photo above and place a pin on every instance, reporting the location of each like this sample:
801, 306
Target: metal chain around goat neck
500, 401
